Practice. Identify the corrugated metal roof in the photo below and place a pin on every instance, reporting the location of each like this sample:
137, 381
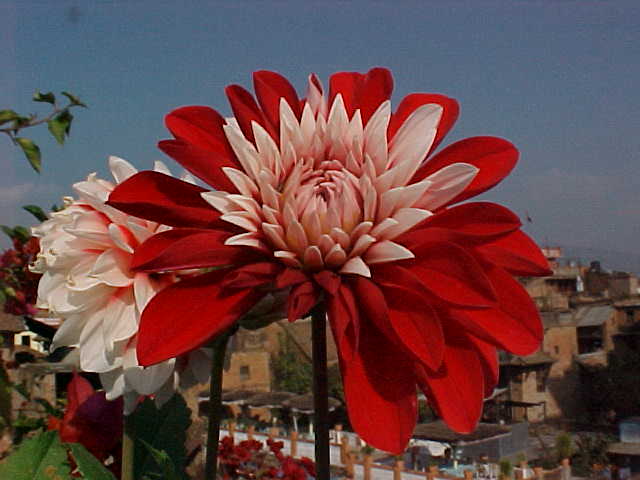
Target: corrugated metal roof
594, 316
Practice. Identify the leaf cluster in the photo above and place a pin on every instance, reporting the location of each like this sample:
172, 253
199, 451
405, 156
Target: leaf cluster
45, 457
58, 122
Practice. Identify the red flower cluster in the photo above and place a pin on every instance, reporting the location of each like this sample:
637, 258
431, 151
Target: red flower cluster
248, 460
90, 419
19, 285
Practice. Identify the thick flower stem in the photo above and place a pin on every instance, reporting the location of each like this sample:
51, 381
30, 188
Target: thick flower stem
219, 346
128, 448
320, 390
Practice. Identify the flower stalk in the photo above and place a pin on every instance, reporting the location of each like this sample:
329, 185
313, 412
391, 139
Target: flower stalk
128, 448
219, 346
320, 390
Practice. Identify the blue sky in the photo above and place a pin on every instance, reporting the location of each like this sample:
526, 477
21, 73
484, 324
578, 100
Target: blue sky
557, 78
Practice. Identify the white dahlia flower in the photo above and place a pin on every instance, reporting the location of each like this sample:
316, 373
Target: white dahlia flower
85, 254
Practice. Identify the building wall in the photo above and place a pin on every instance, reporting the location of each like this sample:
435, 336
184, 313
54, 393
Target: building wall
524, 388
250, 370
561, 344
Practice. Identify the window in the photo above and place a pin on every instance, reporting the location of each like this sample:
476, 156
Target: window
25, 340
244, 372
541, 381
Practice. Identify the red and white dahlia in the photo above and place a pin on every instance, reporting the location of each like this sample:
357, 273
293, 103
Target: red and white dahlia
338, 199
85, 255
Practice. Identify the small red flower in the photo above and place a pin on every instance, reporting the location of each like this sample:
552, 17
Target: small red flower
90, 419
339, 199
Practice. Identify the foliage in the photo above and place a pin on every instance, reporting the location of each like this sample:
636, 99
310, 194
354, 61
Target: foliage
614, 388
58, 122
45, 457
291, 372
89, 466
564, 448
591, 449
39, 458
160, 430
506, 468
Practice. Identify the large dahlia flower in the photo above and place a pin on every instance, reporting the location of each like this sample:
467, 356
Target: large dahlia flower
338, 199
85, 256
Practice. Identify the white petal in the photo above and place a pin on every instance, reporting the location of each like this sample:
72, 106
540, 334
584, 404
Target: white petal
143, 290
288, 258
241, 181
112, 268
121, 169
113, 383
414, 138
242, 219
68, 334
387, 251
375, 136
160, 167
219, 201
250, 239
120, 237
407, 218
92, 347
447, 183
356, 266
120, 320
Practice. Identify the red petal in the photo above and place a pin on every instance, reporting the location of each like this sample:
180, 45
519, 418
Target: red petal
514, 300
488, 357
301, 300
199, 126
411, 102
252, 275
187, 314
160, 198
496, 327
246, 110
517, 254
346, 84
457, 389
289, 277
328, 280
376, 88
417, 325
480, 219
186, 248
78, 391
205, 164
494, 157
345, 320
270, 87
452, 274
373, 305
380, 392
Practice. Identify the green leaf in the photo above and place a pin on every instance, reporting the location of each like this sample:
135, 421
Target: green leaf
21, 233
163, 460
89, 466
7, 230
36, 211
44, 97
60, 125
40, 458
165, 430
31, 151
7, 116
73, 99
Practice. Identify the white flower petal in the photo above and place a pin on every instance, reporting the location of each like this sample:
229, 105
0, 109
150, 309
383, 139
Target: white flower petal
121, 169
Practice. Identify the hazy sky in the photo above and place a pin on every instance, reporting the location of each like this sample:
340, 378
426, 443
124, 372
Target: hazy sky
560, 79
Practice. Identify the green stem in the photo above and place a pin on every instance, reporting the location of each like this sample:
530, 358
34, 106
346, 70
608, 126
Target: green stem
215, 405
320, 390
128, 447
